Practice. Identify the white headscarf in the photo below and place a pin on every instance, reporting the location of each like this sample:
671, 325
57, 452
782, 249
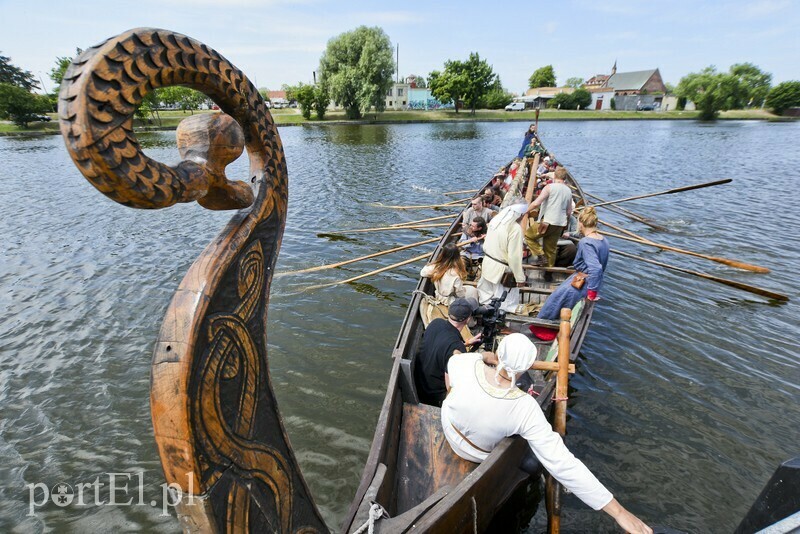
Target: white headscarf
516, 354
508, 215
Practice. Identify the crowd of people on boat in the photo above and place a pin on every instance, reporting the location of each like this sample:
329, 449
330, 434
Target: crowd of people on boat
480, 396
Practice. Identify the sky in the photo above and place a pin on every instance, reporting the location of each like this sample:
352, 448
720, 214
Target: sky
279, 42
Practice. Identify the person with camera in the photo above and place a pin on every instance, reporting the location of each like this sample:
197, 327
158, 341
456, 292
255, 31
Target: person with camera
441, 340
502, 257
484, 406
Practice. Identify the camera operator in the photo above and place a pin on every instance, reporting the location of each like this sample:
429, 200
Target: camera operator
441, 340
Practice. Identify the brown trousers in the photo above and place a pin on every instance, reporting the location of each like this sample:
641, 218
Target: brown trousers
549, 241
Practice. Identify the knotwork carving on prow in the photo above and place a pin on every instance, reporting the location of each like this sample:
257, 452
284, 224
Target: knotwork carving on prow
216, 422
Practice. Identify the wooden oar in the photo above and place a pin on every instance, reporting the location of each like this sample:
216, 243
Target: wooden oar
553, 489
642, 241
388, 228
459, 192
667, 192
424, 220
731, 283
629, 214
382, 269
454, 204
367, 257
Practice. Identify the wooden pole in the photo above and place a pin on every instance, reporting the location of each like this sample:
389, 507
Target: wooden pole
388, 228
667, 192
732, 283
429, 219
369, 256
381, 270
529, 191
553, 490
628, 214
454, 204
643, 241
459, 192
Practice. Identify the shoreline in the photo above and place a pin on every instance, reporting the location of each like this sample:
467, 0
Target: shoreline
449, 117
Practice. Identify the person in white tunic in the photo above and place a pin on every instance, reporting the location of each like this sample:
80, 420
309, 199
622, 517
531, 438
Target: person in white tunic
448, 273
484, 406
502, 253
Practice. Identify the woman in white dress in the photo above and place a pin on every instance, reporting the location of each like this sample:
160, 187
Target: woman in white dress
448, 273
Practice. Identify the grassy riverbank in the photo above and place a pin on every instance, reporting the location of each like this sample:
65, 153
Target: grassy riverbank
168, 120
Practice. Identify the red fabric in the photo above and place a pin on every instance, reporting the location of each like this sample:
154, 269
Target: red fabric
592, 294
545, 334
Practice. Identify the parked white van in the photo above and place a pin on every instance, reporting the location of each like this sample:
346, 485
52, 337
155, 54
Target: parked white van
516, 106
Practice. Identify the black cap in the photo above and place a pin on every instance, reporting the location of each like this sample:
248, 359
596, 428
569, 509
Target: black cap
461, 309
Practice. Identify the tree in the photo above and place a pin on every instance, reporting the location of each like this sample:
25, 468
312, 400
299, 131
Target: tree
181, 97
20, 105
57, 72
446, 86
303, 94
321, 100
712, 91
543, 77
469, 80
357, 68
784, 96
16, 76
755, 80
575, 83
496, 97
579, 99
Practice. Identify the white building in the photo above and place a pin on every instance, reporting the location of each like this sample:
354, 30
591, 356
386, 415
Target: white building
397, 96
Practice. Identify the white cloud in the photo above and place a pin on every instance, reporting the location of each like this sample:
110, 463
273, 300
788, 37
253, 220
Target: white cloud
763, 8
387, 17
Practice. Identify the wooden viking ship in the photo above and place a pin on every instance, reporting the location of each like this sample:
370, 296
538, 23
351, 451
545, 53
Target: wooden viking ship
221, 440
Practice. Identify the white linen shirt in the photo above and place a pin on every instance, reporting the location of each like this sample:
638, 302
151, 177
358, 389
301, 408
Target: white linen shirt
486, 414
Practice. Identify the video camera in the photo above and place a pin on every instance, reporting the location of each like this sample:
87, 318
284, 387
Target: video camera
491, 319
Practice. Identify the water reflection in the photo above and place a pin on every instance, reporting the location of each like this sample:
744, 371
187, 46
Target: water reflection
667, 391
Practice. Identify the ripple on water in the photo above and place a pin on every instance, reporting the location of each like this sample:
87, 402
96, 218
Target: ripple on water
680, 377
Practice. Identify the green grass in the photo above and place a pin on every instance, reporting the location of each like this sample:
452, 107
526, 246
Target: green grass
292, 116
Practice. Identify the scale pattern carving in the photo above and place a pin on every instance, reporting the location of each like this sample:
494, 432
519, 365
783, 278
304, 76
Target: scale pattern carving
216, 422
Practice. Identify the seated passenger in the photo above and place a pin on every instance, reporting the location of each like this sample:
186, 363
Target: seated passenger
448, 273
442, 339
484, 406
475, 235
476, 209
492, 198
591, 260
567, 249
533, 149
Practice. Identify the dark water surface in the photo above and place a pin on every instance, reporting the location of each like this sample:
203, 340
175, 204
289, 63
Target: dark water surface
684, 403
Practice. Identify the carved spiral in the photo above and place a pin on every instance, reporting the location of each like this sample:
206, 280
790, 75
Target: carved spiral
216, 422
104, 86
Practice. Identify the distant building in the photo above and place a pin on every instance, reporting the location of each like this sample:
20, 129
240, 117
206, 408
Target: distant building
601, 97
630, 90
539, 96
636, 83
397, 96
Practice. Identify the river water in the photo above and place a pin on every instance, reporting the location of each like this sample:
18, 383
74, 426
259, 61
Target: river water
685, 401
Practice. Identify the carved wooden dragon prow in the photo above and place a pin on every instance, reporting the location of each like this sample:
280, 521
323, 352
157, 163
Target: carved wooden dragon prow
216, 422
